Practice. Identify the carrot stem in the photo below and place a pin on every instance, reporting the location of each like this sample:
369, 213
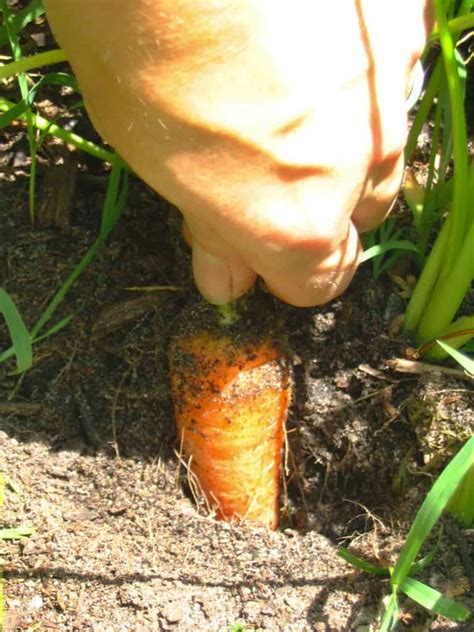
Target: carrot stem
228, 314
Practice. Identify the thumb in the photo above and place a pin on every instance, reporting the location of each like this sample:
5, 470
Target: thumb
218, 279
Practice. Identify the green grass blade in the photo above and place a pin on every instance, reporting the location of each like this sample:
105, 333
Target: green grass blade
426, 218
466, 362
425, 561
61, 324
461, 505
113, 205
115, 198
18, 332
18, 110
424, 108
431, 509
24, 64
23, 18
446, 154
64, 322
389, 621
443, 192
414, 196
427, 281
66, 286
12, 36
380, 249
434, 601
448, 293
459, 208
456, 26
361, 564
16, 533
49, 127
53, 79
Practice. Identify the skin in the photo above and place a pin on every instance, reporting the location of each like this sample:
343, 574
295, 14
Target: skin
277, 128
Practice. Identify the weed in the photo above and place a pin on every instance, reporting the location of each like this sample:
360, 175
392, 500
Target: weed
448, 271
457, 475
18, 332
443, 213
115, 199
380, 241
238, 627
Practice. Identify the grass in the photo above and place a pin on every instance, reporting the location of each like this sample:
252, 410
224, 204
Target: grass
381, 241
22, 339
238, 627
12, 26
443, 213
18, 332
444, 491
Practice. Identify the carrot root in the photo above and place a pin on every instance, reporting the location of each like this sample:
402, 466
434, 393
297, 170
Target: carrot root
231, 399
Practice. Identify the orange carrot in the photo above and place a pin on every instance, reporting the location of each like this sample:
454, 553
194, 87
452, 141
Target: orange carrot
231, 392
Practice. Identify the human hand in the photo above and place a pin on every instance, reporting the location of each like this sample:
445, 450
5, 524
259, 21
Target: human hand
277, 130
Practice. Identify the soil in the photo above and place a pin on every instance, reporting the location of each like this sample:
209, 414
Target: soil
89, 454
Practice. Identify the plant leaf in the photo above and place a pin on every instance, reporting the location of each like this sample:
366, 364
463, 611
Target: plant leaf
389, 620
464, 360
16, 111
380, 249
361, 564
461, 506
18, 332
458, 335
22, 19
434, 601
431, 509
16, 533
428, 558
116, 197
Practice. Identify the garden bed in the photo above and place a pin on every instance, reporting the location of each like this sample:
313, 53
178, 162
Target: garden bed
88, 448
87, 438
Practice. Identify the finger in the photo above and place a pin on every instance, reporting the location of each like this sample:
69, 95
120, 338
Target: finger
219, 280
377, 203
321, 282
187, 234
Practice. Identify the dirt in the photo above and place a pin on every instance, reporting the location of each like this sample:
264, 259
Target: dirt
89, 454
88, 449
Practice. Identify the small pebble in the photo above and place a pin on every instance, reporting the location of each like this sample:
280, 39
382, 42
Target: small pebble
37, 602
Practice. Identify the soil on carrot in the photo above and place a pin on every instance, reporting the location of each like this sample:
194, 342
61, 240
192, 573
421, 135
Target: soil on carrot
91, 461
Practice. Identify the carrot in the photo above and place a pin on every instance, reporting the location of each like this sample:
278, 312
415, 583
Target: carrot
231, 388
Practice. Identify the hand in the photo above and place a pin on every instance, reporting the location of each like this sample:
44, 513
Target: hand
277, 128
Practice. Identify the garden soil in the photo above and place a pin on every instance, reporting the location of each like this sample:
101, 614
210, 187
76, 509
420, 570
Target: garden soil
91, 461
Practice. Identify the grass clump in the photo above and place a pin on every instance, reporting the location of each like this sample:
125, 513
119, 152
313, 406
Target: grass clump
442, 232
442, 495
38, 127
444, 207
